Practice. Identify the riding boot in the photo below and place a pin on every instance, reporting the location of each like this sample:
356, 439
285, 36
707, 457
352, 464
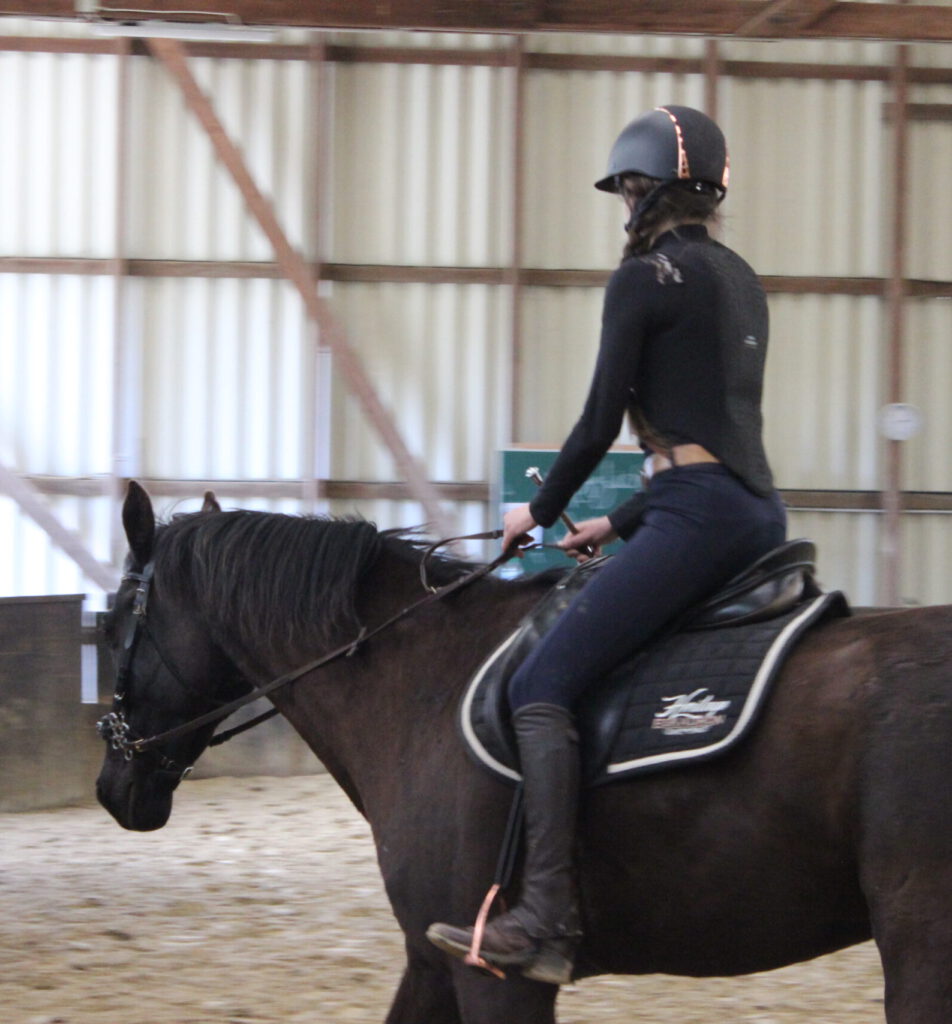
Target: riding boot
541, 932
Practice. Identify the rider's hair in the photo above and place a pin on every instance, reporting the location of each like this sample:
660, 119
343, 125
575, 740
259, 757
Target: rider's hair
675, 202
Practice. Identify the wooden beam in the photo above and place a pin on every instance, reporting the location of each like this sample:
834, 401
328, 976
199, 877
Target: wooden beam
497, 57
395, 273
935, 112
844, 19
300, 274
32, 502
936, 502
920, 502
272, 490
787, 18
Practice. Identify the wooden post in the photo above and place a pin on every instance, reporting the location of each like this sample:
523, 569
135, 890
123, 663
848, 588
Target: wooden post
895, 296
514, 273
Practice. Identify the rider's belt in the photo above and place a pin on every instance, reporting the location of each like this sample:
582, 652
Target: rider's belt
682, 455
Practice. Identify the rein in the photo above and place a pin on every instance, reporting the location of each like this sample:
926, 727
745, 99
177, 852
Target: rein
115, 730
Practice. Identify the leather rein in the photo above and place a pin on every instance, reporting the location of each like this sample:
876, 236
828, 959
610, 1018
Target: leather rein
115, 730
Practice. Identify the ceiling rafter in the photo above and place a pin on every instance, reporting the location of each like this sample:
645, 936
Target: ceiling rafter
785, 17
814, 19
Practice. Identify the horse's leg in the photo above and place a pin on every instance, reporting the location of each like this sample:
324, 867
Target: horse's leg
426, 994
913, 929
906, 837
487, 1000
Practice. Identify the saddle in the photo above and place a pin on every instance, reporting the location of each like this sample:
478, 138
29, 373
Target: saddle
691, 693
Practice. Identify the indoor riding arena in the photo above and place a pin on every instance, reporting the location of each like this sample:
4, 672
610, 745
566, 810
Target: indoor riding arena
342, 267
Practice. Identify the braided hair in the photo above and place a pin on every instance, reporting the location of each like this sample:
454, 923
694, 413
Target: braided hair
658, 203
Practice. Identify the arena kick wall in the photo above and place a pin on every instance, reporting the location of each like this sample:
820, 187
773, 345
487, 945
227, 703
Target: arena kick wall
49, 750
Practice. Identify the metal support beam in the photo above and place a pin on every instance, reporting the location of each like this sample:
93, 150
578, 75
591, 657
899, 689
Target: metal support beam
297, 270
69, 541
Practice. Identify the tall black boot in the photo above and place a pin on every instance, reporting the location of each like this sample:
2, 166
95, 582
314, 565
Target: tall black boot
541, 932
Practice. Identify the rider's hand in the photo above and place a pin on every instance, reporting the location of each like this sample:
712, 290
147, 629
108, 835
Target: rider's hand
592, 534
517, 524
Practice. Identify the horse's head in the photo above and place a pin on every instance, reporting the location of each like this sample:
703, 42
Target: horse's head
169, 672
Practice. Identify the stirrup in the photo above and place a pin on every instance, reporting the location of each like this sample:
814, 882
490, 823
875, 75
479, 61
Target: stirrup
473, 958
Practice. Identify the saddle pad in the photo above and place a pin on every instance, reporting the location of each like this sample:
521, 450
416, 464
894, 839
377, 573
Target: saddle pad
686, 697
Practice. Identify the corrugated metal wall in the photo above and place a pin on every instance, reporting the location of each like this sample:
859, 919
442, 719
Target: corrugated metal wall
389, 163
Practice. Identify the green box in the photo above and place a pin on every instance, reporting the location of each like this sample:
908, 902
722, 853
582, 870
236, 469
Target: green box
614, 480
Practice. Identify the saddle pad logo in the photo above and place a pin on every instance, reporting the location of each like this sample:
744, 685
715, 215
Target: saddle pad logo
690, 713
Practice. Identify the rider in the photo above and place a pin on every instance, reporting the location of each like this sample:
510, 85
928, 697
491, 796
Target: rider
682, 350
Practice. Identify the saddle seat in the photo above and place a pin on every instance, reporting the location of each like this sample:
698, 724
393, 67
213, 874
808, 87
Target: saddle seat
770, 586
720, 643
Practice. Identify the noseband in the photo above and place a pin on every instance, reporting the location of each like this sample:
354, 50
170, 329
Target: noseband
114, 728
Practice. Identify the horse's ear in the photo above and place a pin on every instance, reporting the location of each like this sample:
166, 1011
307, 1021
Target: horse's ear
138, 520
210, 504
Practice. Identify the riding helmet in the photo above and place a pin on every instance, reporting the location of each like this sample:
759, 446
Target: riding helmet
670, 143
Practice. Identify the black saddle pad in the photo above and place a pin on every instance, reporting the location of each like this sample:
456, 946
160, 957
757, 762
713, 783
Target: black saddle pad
686, 697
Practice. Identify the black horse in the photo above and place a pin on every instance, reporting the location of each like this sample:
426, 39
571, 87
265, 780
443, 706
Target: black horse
831, 824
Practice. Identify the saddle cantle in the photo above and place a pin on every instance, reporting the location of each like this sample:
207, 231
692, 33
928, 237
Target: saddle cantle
690, 694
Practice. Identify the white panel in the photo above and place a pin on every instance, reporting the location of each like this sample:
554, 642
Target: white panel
560, 328
422, 165
31, 565
616, 44
56, 384
227, 366
847, 550
469, 517
926, 557
571, 122
822, 391
928, 250
418, 40
807, 169
800, 51
57, 166
927, 370
436, 356
183, 203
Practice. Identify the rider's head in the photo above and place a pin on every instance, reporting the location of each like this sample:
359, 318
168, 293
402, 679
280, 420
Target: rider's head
671, 167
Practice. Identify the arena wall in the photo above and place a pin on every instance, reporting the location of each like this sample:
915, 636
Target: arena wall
49, 750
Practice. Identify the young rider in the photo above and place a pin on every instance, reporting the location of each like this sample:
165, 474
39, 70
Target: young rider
682, 350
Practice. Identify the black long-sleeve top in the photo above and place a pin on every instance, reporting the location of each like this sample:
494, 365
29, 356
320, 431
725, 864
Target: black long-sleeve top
683, 345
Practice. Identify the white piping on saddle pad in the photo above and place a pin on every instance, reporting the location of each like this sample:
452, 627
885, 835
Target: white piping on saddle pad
466, 718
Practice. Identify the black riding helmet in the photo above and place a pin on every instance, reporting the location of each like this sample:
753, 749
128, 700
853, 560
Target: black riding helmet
671, 144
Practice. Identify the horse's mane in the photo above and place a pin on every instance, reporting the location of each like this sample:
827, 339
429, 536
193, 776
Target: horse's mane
280, 578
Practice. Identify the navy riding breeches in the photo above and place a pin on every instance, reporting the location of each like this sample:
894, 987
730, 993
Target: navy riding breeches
701, 527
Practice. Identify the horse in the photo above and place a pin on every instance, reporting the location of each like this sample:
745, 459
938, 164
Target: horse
830, 824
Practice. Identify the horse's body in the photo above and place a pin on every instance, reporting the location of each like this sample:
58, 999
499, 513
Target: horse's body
831, 824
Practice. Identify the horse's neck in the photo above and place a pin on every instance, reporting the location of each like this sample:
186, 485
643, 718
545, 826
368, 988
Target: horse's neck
372, 716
